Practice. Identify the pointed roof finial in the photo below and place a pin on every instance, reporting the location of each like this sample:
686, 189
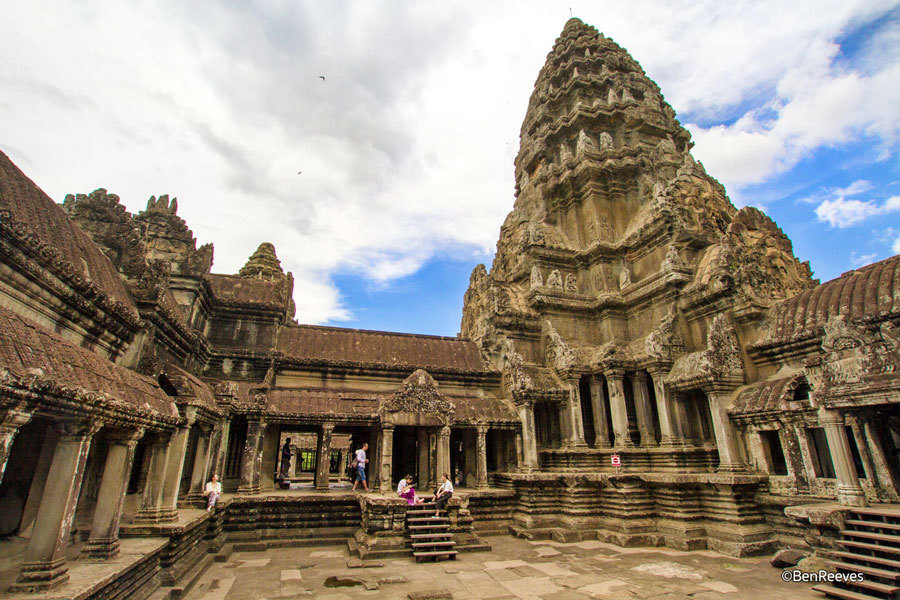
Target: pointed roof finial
263, 264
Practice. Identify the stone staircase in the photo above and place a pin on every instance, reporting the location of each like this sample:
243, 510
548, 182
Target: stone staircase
429, 536
871, 546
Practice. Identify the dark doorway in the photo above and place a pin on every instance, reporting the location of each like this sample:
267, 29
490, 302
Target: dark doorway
26, 457
406, 454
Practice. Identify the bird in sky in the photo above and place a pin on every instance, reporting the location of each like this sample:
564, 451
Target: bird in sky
322, 77
299, 172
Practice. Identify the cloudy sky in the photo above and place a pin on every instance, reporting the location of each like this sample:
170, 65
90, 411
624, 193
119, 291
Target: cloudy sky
405, 149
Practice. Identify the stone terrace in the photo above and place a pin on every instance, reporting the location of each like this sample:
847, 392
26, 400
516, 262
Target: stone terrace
513, 569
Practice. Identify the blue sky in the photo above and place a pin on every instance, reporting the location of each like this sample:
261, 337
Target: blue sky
405, 150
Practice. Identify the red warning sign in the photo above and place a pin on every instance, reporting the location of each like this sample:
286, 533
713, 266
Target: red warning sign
615, 460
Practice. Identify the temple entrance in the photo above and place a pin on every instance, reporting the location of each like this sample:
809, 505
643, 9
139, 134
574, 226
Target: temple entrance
406, 454
887, 429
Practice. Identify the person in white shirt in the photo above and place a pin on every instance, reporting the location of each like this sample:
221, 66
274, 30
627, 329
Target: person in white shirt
212, 492
443, 494
361, 461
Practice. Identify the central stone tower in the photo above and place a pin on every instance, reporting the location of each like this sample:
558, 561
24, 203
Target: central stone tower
625, 282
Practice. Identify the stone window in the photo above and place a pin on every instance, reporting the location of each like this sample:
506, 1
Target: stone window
771, 443
308, 461
820, 453
236, 440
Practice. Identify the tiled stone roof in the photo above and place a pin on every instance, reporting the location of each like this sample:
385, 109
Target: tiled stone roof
872, 291
62, 244
234, 289
28, 350
339, 345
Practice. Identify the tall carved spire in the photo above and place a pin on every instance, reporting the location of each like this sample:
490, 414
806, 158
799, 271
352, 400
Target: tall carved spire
263, 264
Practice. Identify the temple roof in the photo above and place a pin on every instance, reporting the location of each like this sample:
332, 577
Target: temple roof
27, 349
869, 292
234, 289
769, 395
339, 345
49, 225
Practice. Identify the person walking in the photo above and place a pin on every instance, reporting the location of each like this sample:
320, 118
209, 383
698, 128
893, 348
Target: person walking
361, 461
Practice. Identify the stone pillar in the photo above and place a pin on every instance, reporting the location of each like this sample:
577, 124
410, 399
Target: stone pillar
251, 457
10, 422
201, 460
434, 477
849, 491
564, 421
575, 438
501, 450
641, 392
726, 436
520, 459
598, 410
222, 451
386, 485
323, 457
665, 410
528, 442
44, 565
152, 498
443, 452
104, 539
481, 478
614, 381
174, 469
422, 459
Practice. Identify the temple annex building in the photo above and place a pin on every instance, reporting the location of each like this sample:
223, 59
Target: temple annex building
630, 310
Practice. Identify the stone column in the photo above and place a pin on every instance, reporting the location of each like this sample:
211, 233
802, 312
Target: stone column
614, 381
564, 421
598, 410
529, 443
664, 410
481, 478
323, 457
104, 539
641, 392
443, 451
251, 457
433, 476
174, 469
152, 498
422, 459
501, 450
520, 459
849, 491
44, 565
10, 422
222, 451
726, 436
387, 459
201, 460
575, 438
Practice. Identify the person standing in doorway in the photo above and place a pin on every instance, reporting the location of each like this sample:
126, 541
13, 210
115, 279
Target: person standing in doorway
361, 461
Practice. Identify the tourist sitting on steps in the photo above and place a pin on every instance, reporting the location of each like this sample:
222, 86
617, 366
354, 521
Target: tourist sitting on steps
406, 491
360, 466
443, 494
212, 492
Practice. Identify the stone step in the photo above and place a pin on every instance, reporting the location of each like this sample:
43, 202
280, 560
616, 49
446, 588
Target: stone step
881, 588
423, 513
447, 544
872, 511
871, 547
445, 527
835, 592
871, 559
873, 524
422, 536
868, 535
435, 554
866, 570
425, 520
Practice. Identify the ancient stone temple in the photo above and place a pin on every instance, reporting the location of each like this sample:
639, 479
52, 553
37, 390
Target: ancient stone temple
643, 364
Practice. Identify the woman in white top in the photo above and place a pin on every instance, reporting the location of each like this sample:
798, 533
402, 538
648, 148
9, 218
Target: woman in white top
443, 494
213, 491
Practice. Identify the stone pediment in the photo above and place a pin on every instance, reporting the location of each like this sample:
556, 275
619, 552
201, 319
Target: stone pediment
418, 402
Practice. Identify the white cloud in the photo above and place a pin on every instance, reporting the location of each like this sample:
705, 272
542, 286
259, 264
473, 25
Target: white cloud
896, 246
836, 209
406, 148
863, 259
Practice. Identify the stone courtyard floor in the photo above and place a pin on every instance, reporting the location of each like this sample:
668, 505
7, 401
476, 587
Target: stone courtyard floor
514, 569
